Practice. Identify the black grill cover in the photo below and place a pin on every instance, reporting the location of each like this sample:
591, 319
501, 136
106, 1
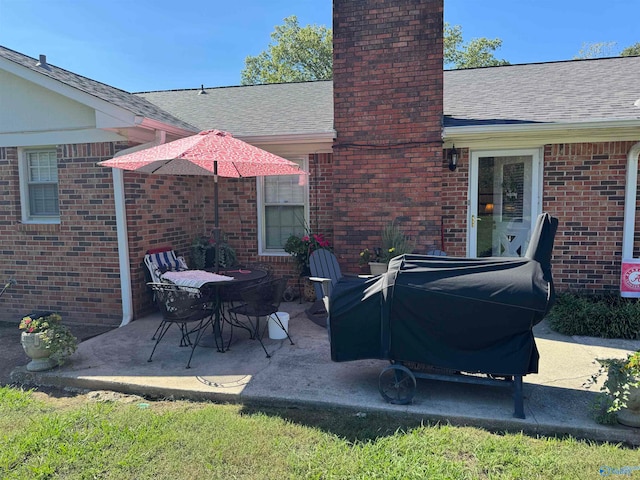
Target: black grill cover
466, 314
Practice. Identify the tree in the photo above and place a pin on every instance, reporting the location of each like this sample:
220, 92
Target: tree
631, 50
299, 54
596, 50
605, 49
296, 54
478, 52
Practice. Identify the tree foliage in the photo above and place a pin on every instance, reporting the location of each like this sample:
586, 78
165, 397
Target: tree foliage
295, 54
477, 52
631, 51
596, 50
605, 49
298, 54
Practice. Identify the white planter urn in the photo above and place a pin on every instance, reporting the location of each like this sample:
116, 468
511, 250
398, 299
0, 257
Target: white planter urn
630, 415
33, 345
378, 268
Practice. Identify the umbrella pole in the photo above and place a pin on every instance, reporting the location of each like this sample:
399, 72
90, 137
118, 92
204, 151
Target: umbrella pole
217, 321
216, 228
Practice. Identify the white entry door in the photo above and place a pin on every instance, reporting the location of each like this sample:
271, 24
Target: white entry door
504, 202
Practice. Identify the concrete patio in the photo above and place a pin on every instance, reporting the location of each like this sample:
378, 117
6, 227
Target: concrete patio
556, 402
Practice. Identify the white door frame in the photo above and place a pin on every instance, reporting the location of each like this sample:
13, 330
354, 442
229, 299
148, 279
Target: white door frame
472, 198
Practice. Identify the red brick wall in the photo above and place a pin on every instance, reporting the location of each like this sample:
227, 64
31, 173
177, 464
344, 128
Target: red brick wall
167, 210
454, 204
72, 267
387, 75
584, 187
161, 210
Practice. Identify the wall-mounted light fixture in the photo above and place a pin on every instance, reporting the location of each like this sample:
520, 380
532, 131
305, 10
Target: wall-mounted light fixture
453, 159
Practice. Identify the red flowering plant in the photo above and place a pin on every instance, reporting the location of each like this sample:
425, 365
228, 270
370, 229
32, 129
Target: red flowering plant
301, 247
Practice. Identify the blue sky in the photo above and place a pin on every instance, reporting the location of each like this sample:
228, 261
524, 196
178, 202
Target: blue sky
140, 45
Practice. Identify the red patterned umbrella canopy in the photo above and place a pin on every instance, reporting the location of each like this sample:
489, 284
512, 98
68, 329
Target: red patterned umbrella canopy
203, 154
211, 152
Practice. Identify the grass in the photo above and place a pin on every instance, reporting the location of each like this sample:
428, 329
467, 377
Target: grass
42, 438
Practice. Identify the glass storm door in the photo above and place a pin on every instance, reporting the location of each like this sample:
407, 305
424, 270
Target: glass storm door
504, 202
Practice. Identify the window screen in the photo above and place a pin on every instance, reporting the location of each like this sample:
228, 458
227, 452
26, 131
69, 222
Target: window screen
42, 183
284, 208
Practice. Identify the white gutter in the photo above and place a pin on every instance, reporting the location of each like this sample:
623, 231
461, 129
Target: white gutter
539, 127
122, 232
631, 189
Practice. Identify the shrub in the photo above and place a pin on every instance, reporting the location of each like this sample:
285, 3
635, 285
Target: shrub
606, 316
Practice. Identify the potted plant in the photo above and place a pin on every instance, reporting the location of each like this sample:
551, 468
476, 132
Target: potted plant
203, 253
619, 398
394, 243
46, 341
302, 246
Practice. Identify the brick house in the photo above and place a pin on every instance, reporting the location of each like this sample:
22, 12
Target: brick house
377, 142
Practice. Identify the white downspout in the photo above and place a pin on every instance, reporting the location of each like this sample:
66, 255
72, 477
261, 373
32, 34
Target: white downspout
122, 231
629, 280
631, 190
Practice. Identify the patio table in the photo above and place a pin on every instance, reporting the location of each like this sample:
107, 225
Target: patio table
210, 284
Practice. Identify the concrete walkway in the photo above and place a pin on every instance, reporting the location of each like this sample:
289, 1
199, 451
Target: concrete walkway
556, 403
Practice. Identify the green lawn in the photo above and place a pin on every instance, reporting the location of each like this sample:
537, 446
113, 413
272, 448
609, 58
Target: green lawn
43, 437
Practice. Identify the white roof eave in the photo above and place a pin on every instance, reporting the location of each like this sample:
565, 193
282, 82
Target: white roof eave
543, 133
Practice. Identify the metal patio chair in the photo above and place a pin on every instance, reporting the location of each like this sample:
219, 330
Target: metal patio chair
186, 307
258, 301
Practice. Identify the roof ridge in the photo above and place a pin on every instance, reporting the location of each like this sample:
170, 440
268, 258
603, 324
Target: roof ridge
62, 69
221, 87
107, 93
572, 60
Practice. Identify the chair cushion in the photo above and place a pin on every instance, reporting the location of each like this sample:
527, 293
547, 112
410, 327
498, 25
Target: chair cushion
163, 259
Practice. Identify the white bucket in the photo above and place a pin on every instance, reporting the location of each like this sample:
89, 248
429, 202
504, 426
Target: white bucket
275, 331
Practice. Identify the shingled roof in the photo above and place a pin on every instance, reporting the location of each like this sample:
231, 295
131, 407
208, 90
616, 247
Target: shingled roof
598, 90
274, 109
571, 91
112, 95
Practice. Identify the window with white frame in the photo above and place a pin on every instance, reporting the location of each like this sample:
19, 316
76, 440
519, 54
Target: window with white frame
283, 206
39, 186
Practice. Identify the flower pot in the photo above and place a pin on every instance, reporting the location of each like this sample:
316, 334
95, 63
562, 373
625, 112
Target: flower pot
33, 345
630, 415
378, 268
308, 293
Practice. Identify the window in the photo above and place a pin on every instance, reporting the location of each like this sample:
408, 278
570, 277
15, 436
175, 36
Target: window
39, 186
283, 206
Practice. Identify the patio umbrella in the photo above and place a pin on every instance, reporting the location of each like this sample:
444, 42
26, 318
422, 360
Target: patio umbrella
213, 153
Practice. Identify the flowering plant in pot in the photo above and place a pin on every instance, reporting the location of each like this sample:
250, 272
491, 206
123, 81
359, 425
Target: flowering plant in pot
203, 252
619, 399
394, 243
301, 247
45, 340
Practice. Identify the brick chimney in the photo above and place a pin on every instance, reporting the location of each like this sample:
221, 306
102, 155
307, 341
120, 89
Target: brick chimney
388, 96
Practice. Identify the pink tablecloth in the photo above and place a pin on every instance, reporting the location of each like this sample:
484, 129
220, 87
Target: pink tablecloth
194, 278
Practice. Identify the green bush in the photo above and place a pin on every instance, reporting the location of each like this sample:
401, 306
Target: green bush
606, 316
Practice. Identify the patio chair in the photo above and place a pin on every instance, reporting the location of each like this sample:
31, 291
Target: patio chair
162, 259
257, 301
186, 307
324, 264
324, 267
